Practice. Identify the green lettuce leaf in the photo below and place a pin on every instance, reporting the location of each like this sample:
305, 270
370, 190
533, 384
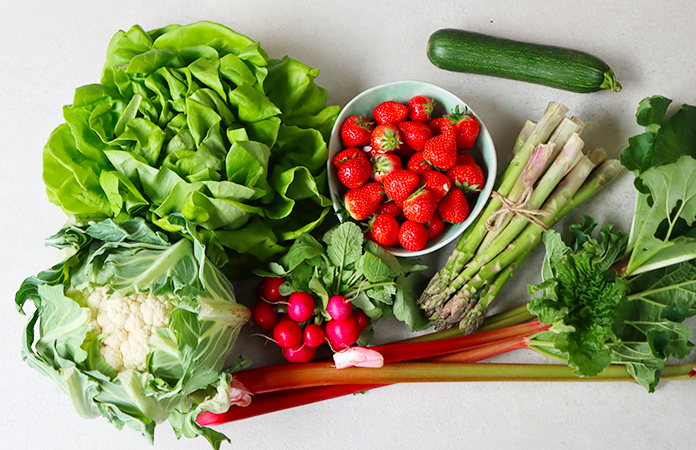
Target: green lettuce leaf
197, 120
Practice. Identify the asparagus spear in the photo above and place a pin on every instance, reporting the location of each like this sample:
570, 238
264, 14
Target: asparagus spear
571, 191
469, 242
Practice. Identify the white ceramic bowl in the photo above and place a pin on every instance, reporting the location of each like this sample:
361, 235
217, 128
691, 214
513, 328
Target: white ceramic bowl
365, 102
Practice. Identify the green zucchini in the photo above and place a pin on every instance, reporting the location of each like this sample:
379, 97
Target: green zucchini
556, 67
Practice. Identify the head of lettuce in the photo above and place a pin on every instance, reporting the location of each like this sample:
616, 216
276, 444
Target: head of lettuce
197, 120
134, 327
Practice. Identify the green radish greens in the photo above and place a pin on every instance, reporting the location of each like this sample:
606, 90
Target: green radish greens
197, 120
133, 327
347, 264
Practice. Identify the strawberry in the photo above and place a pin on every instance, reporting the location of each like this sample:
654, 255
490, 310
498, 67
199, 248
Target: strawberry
436, 182
417, 164
441, 150
435, 227
384, 164
361, 203
385, 138
375, 191
413, 235
464, 158
390, 207
415, 134
420, 108
356, 131
420, 206
399, 184
390, 112
354, 172
405, 152
437, 124
466, 129
468, 177
384, 230
347, 154
454, 208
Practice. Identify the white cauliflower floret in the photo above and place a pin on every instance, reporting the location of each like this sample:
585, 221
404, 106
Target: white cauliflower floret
129, 323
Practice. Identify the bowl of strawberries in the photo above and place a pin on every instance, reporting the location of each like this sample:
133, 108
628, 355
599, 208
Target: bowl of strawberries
412, 163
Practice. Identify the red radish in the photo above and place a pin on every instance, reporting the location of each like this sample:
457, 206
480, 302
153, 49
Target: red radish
339, 307
300, 306
270, 288
287, 334
299, 354
313, 336
264, 316
342, 333
361, 318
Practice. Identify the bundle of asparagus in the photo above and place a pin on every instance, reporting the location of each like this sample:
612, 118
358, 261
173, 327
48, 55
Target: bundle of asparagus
548, 176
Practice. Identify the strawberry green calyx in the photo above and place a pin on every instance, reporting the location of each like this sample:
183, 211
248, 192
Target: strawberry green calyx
386, 138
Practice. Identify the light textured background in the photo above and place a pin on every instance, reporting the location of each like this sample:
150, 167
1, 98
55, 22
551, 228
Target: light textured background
49, 48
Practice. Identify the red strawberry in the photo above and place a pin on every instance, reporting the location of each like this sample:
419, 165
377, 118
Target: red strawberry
384, 230
465, 158
441, 150
384, 164
347, 154
405, 152
390, 207
468, 177
356, 131
399, 184
466, 129
420, 108
361, 203
415, 134
413, 235
375, 191
437, 124
354, 172
454, 208
417, 164
420, 206
435, 227
390, 112
386, 138
436, 182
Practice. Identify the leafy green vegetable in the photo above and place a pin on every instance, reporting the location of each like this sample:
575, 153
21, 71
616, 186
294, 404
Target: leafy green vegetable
185, 368
345, 263
622, 299
599, 318
197, 120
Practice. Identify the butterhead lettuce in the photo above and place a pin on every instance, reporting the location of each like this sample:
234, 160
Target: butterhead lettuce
197, 120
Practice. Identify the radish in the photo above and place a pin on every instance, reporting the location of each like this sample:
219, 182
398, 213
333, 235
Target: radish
264, 316
361, 318
300, 306
299, 354
269, 288
287, 334
313, 336
339, 307
342, 333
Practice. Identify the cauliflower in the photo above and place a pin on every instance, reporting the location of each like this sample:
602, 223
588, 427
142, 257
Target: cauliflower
129, 322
